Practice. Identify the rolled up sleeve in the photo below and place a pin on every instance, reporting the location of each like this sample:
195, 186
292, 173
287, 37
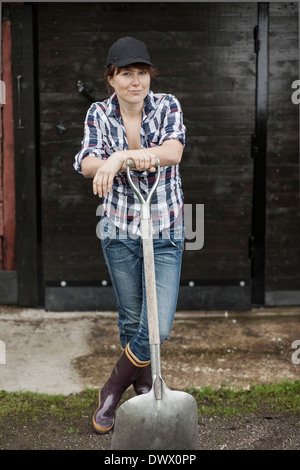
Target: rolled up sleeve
92, 142
172, 125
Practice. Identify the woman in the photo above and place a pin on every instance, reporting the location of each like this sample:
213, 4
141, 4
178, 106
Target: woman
138, 124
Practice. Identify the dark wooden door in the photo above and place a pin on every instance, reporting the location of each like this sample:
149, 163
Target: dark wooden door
205, 55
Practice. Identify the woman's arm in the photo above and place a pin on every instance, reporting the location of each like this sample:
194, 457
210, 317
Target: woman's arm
104, 171
90, 165
169, 152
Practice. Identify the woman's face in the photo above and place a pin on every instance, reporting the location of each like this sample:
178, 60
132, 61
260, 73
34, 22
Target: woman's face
131, 84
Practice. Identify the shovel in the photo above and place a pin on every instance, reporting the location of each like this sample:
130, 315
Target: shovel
162, 419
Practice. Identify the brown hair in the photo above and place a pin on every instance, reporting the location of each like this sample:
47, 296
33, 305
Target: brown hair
113, 70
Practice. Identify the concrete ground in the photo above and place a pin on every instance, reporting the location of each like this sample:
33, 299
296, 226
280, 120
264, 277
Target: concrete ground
64, 352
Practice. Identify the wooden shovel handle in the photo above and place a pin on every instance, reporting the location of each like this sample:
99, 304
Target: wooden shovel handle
149, 268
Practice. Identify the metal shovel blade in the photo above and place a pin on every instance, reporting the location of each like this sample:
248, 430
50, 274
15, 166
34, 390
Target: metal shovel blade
145, 423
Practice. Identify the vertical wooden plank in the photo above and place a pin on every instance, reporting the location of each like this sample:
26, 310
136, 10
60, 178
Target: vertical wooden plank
259, 154
25, 154
9, 224
283, 216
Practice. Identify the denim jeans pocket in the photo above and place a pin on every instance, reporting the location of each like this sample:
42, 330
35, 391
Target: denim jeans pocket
107, 231
175, 236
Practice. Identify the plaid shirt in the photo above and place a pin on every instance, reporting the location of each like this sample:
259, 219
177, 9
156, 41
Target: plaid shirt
104, 134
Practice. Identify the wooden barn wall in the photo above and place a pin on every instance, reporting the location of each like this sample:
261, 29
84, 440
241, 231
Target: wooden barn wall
206, 57
283, 213
8, 274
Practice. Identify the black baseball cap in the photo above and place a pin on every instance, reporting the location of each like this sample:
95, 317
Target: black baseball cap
128, 51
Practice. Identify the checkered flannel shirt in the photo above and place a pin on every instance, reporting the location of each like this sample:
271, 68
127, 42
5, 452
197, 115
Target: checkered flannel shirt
105, 134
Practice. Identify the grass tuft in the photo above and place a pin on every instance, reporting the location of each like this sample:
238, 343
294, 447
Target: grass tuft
224, 401
232, 401
33, 405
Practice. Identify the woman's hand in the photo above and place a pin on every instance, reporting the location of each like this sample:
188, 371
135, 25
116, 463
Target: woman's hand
143, 159
104, 177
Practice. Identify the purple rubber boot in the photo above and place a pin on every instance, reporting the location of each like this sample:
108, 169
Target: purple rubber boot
124, 374
143, 382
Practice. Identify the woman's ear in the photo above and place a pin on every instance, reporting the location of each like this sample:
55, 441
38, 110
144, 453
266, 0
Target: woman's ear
110, 81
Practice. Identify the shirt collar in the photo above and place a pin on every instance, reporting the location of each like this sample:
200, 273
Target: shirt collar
149, 103
114, 107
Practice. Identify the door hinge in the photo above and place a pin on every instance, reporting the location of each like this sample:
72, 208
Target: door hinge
256, 40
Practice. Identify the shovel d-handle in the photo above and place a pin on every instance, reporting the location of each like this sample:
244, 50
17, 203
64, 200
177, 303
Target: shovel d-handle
150, 282
145, 204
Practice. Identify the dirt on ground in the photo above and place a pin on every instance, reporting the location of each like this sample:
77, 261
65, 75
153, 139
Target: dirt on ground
263, 431
236, 349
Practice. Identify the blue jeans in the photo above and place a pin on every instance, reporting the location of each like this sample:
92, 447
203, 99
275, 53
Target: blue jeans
124, 258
